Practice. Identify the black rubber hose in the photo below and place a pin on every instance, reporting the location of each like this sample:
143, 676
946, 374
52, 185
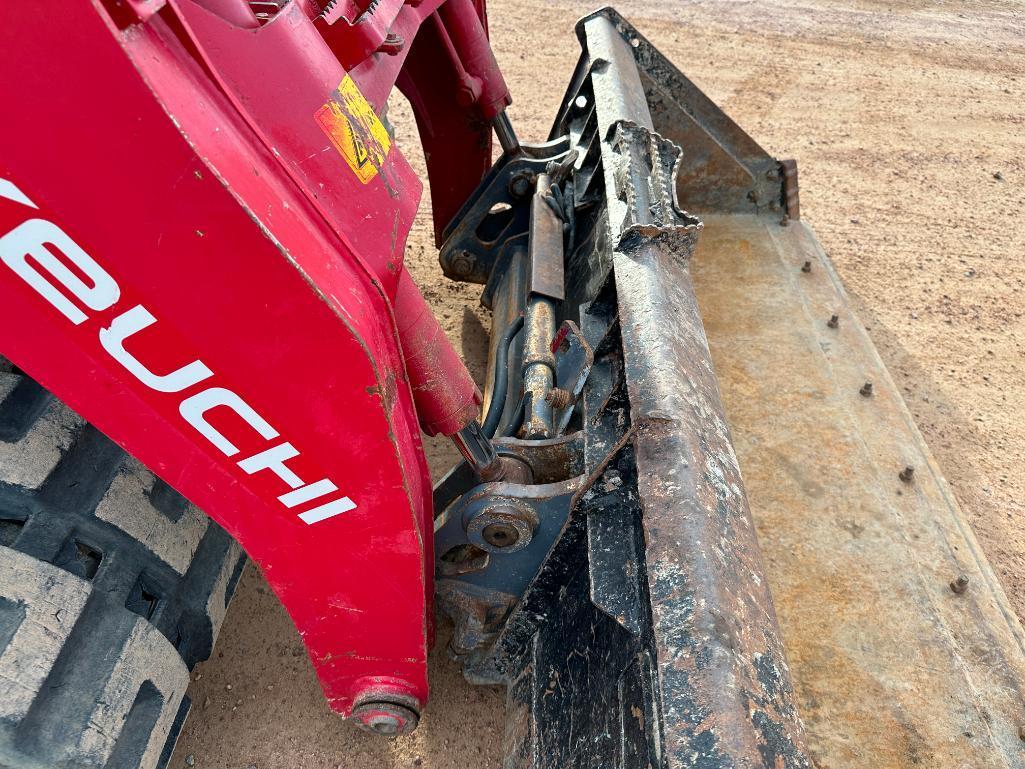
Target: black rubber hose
501, 384
517, 421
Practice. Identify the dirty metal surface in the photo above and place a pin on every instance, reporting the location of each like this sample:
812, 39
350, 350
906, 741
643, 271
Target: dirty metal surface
510, 572
485, 230
722, 676
725, 686
545, 246
892, 668
573, 360
646, 637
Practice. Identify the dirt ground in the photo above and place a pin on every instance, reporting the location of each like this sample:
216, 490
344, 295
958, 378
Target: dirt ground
908, 121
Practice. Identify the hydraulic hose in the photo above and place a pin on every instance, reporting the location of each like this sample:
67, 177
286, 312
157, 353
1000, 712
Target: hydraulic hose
501, 384
517, 421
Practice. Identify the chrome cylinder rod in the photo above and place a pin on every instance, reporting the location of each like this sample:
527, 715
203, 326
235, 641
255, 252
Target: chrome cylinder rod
505, 133
478, 451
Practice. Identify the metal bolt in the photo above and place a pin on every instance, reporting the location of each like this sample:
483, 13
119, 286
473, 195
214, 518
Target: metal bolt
866, 390
960, 584
558, 397
462, 264
806, 267
466, 94
501, 535
834, 321
386, 725
521, 185
392, 44
907, 474
785, 221
502, 527
1021, 733
389, 719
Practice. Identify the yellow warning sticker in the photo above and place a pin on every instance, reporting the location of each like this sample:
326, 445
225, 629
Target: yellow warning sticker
355, 130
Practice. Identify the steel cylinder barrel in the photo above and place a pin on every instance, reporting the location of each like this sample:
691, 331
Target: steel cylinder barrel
446, 397
538, 367
470, 38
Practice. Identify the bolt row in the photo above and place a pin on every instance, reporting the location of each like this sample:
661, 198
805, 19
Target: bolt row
959, 584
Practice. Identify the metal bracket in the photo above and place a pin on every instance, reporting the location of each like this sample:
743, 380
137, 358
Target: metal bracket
541, 509
497, 213
645, 179
489, 546
573, 360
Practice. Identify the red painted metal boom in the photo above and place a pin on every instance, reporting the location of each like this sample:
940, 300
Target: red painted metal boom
202, 227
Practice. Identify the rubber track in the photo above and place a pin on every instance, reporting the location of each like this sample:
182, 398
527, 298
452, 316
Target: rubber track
112, 587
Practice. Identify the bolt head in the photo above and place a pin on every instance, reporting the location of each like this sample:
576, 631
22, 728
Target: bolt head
388, 719
521, 185
392, 44
960, 584
461, 264
466, 95
381, 724
501, 535
501, 527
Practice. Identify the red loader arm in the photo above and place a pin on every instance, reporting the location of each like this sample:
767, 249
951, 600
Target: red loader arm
202, 228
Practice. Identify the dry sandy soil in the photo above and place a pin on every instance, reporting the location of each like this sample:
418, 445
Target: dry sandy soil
908, 120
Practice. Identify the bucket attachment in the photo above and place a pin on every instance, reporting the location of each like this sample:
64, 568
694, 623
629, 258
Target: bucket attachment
612, 580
